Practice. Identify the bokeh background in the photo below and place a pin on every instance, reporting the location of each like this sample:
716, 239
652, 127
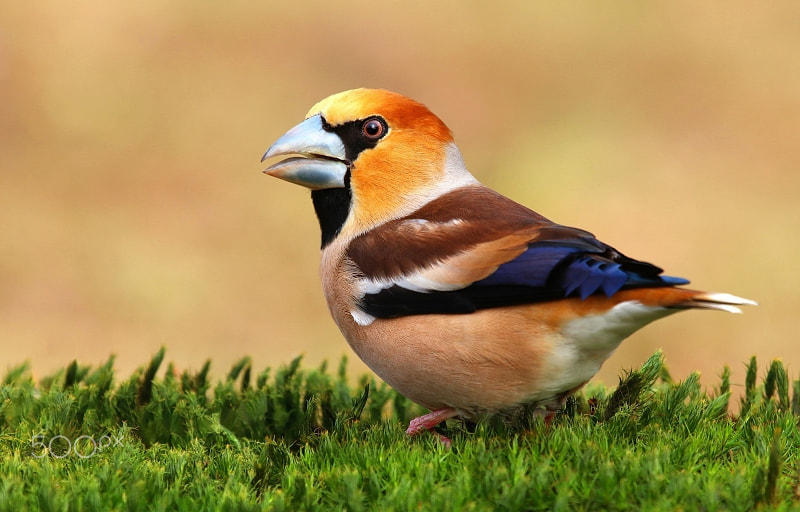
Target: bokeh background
133, 213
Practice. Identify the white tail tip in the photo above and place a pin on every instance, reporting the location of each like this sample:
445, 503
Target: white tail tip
721, 302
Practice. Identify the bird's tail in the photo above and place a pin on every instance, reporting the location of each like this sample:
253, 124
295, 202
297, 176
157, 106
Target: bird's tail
683, 298
714, 300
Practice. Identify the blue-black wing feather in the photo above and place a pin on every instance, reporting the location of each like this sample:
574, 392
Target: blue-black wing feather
547, 270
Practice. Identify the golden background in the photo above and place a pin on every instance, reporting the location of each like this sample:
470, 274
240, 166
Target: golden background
133, 213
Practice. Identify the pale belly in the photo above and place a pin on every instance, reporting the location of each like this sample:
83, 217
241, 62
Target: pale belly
492, 360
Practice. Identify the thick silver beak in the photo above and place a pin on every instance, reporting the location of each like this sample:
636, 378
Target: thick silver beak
319, 161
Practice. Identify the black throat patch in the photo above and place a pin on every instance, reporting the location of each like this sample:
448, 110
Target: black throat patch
332, 205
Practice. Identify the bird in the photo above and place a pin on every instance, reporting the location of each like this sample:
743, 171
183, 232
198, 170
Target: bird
461, 299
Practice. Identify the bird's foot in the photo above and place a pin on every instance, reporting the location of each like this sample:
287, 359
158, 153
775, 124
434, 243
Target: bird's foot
430, 420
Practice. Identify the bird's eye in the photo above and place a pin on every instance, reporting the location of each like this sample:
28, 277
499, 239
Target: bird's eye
373, 129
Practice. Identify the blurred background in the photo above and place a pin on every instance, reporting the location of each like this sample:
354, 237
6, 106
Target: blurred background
134, 214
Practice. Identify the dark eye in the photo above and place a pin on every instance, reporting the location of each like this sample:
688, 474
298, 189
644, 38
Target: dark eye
373, 129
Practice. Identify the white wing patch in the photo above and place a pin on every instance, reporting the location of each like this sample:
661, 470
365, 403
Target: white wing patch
424, 280
361, 318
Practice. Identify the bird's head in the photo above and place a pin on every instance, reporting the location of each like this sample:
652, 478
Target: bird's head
369, 156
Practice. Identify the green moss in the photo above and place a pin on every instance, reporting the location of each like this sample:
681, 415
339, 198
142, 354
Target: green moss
303, 439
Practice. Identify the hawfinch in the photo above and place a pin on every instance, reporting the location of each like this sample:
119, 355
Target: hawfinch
461, 299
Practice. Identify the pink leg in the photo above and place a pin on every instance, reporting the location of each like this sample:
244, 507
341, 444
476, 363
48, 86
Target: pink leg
430, 420
553, 406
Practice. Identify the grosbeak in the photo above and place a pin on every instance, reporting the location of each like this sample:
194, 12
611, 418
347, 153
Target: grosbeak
461, 299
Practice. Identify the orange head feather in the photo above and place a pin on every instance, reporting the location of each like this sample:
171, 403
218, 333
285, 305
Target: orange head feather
413, 163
